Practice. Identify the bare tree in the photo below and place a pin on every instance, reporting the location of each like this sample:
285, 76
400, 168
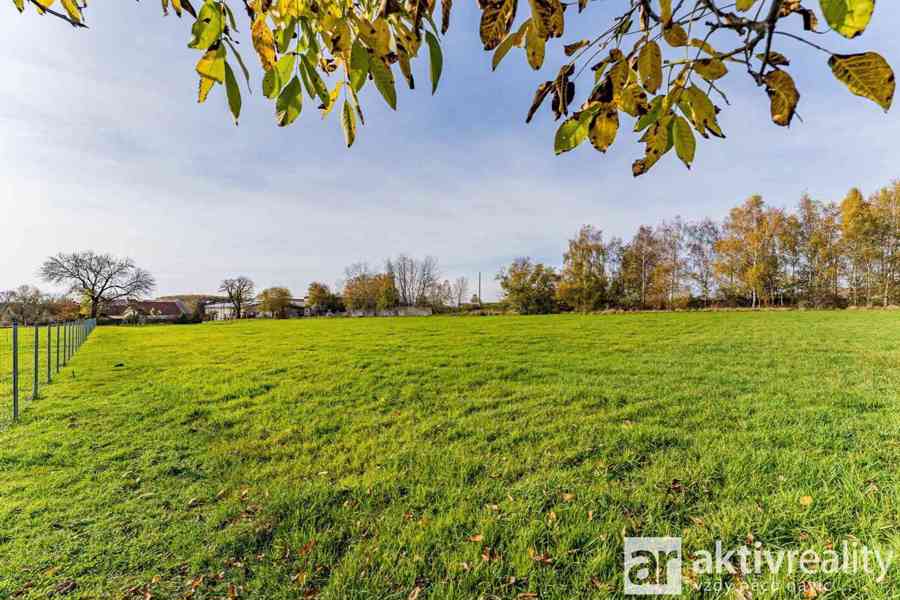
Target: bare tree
98, 278
702, 237
460, 289
239, 291
415, 278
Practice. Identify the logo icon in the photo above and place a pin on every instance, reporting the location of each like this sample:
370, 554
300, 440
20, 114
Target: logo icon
653, 566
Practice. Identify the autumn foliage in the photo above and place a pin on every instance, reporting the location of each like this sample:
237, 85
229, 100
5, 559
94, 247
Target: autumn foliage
661, 68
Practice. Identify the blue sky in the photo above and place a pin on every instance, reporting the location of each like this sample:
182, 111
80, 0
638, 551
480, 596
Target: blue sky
103, 146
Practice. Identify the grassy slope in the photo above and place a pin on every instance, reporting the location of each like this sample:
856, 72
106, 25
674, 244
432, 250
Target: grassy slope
229, 448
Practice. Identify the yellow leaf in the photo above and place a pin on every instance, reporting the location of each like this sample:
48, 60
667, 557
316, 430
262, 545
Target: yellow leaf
848, 17
685, 143
348, 123
604, 128
633, 100
783, 95
657, 140
665, 12
702, 111
710, 69
744, 5
264, 43
867, 75
496, 20
703, 46
806, 501
650, 66
212, 64
376, 36
534, 47
675, 35
547, 17
73, 10
206, 85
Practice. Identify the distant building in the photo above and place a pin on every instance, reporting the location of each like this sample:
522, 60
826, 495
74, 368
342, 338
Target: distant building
146, 311
224, 311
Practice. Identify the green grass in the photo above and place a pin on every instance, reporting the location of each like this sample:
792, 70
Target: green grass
356, 458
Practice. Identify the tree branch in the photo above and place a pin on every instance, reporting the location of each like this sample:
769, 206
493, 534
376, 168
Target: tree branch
58, 14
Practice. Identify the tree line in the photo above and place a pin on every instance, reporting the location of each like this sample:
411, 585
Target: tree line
405, 281
821, 254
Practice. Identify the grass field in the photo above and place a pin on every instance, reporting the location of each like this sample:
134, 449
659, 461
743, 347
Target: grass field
451, 458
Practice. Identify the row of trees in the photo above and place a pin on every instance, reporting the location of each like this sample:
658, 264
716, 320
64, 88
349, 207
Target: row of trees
823, 254
404, 281
28, 305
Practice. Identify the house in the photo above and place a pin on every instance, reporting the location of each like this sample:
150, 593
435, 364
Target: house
146, 311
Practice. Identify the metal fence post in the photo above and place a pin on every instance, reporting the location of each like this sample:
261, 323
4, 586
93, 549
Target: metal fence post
37, 360
49, 352
57, 346
15, 369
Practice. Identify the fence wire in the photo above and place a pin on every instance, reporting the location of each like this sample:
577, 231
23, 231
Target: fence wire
31, 357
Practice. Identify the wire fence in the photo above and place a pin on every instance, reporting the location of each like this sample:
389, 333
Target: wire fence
31, 357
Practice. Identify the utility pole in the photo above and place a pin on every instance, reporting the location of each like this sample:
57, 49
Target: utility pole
479, 288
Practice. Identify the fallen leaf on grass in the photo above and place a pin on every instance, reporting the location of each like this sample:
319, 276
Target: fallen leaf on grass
544, 559
568, 497
414, 594
806, 501
475, 538
307, 547
64, 587
812, 589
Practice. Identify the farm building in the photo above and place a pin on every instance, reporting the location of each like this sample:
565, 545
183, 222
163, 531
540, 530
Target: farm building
224, 311
155, 311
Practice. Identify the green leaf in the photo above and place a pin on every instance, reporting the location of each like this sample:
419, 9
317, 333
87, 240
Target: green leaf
208, 26
316, 80
513, 39
437, 59
240, 60
285, 67
867, 75
284, 36
685, 143
289, 103
572, 132
384, 81
272, 83
359, 65
233, 92
848, 17
348, 123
